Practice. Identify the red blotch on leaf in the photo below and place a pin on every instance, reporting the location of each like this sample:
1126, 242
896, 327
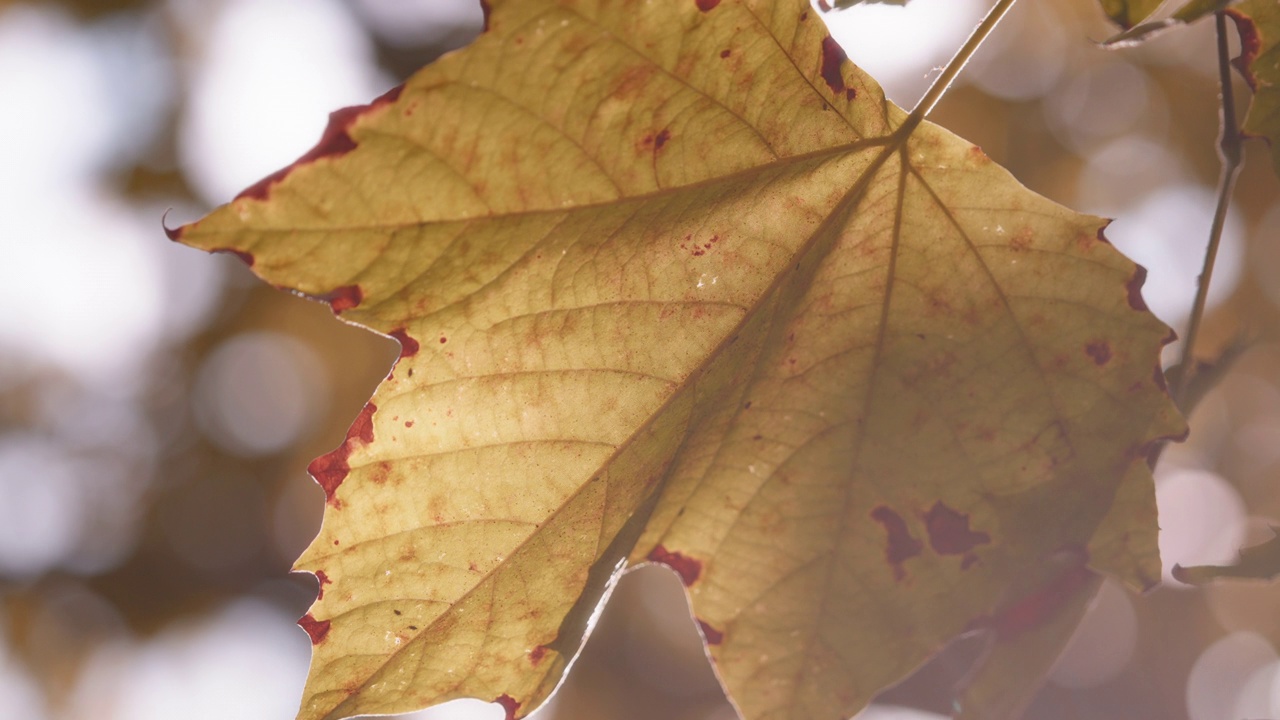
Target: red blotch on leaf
1134, 286
686, 567
713, 636
833, 57
334, 142
707, 5
901, 546
661, 139
362, 427
509, 704
536, 654
317, 629
332, 468
343, 298
949, 532
1099, 350
408, 346
324, 580
725, 53
1250, 46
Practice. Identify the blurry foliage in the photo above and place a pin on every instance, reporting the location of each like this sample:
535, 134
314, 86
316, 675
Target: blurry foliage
639, 663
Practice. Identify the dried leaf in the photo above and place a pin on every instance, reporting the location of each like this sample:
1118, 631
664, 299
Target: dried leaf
1135, 34
1258, 22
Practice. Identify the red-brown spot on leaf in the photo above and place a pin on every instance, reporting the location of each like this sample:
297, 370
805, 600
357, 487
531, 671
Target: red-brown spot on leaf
724, 54
833, 57
949, 532
661, 139
334, 142
1021, 240
713, 636
324, 580
362, 428
901, 546
317, 629
706, 5
850, 94
509, 704
330, 470
536, 654
408, 346
408, 423
686, 567
443, 339
1250, 46
380, 473
1099, 350
343, 298
1134, 287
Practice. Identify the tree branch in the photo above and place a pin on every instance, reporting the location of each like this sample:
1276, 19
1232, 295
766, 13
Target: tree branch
1229, 142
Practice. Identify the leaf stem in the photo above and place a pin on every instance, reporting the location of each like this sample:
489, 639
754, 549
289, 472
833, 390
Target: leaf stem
1229, 142
943, 82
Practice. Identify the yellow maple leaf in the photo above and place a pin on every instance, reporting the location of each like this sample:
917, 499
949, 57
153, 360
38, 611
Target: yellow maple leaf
673, 281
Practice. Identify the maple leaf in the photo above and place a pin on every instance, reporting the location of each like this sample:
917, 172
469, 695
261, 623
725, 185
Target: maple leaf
674, 282
1127, 13
1258, 22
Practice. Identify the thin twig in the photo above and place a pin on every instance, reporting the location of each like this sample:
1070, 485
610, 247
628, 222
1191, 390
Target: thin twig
956, 64
1229, 142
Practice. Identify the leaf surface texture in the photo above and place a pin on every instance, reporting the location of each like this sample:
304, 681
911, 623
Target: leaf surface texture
674, 283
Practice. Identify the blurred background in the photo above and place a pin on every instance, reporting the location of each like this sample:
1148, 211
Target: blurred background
158, 406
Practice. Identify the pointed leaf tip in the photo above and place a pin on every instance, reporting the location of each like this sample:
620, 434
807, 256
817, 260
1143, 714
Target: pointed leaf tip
174, 234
